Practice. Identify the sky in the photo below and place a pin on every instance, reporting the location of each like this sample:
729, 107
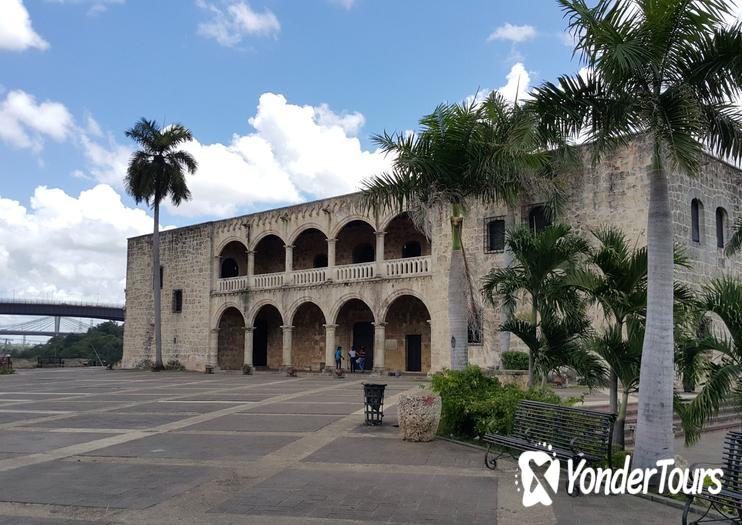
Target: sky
282, 97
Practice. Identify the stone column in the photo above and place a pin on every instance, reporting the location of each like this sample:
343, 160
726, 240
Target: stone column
248, 345
330, 345
287, 342
211, 356
379, 340
289, 258
379, 269
330, 259
250, 266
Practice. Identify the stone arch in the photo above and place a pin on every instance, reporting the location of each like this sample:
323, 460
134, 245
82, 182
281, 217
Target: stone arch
267, 342
310, 249
384, 310
304, 227
342, 224
335, 310
222, 308
308, 340
262, 235
698, 220
232, 259
356, 243
255, 310
270, 255
407, 333
230, 352
227, 240
403, 239
291, 310
354, 320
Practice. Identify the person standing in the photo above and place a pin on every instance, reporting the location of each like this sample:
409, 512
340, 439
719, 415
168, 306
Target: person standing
361, 360
352, 355
339, 358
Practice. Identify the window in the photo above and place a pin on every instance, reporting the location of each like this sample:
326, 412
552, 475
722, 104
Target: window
696, 220
320, 261
474, 330
721, 227
363, 253
229, 268
162, 276
495, 237
537, 219
411, 249
177, 301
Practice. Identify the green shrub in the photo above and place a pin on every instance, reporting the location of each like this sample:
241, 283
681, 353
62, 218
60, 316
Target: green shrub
174, 365
6, 371
515, 360
144, 364
474, 403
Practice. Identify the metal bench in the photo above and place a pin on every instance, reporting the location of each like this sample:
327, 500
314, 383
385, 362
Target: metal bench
728, 502
49, 362
572, 433
6, 362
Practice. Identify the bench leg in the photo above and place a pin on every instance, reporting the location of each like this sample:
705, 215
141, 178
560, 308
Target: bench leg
490, 461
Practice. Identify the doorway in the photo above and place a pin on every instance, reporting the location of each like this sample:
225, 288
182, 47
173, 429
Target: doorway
363, 336
260, 344
414, 344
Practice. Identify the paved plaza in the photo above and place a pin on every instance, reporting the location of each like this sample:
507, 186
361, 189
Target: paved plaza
81, 446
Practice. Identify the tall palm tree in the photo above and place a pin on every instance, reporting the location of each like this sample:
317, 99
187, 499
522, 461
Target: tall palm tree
722, 297
541, 263
461, 152
157, 171
668, 69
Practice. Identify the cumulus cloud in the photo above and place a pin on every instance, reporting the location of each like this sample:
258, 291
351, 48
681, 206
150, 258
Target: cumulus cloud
16, 32
26, 123
518, 83
295, 153
67, 247
230, 25
513, 33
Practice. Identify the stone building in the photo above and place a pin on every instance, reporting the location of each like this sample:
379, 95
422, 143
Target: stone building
286, 286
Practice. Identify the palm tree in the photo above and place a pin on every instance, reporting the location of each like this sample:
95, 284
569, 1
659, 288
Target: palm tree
722, 297
735, 241
156, 172
542, 261
474, 150
667, 69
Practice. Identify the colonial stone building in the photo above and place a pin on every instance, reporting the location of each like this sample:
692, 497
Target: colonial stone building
286, 286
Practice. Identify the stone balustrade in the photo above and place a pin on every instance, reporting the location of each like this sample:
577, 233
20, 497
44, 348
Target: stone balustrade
396, 268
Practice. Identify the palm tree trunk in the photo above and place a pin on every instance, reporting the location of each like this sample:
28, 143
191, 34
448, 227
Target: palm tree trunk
654, 433
534, 318
506, 311
620, 426
156, 287
613, 391
457, 283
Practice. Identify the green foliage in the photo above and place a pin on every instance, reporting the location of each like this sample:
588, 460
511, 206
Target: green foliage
106, 338
174, 365
145, 364
6, 371
474, 403
515, 360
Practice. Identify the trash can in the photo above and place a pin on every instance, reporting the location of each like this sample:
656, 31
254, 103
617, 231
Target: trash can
373, 397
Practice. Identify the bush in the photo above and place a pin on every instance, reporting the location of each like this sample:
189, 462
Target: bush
247, 369
174, 365
515, 360
474, 403
144, 364
6, 371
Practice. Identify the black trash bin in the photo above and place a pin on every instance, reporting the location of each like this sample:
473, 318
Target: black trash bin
373, 397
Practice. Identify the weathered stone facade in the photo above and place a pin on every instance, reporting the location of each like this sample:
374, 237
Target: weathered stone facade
310, 277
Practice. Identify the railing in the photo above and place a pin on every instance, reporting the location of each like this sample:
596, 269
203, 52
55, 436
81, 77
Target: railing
407, 267
354, 272
268, 280
233, 284
311, 276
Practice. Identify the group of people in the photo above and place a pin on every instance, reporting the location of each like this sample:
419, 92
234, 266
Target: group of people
357, 358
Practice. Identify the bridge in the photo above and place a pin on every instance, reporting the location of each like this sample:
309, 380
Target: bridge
54, 316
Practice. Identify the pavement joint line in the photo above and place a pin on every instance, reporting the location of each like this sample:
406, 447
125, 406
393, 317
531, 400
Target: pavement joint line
393, 468
90, 446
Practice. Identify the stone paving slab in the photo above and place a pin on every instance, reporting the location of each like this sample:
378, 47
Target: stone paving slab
198, 447
172, 407
77, 405
341, 409
394, 498
98, 485
229, 396
266, 423
109, 420
29, 442
12, 417
24, 520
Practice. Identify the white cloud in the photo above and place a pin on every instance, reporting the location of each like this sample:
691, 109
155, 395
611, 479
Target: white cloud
230, 25
96, 6
513, 33
25, 123
518, 83
67, 247
296, 152
345, 4
107, 160
16, 33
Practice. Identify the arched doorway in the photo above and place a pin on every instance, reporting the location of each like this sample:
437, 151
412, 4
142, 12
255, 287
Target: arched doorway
407, 335
267, 343
233, 260
355, 244
355, 328
310, 250
231, 341
270, 255
404, 240
308, 341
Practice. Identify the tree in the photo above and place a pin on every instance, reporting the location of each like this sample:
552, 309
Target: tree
722, 297
667, 69
157, 171
475, 150
541, 263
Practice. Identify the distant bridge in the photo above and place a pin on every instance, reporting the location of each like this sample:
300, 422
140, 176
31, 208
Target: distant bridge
54, 314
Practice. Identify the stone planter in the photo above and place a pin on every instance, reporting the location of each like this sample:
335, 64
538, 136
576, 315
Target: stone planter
419, 416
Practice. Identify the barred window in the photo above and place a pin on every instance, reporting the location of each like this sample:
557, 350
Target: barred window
177, 301
495, 238
474, 330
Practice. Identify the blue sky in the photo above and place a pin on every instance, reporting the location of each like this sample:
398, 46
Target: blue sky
282, 97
